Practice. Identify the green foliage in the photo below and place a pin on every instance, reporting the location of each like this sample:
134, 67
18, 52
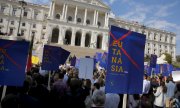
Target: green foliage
178, 58
147, 58
168, 58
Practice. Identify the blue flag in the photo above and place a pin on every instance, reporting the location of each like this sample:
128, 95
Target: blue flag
170, 68
73, 61
13, 59
157, 69
125, 62
165, 71
53, 57
104, 60
153, 61
77, 63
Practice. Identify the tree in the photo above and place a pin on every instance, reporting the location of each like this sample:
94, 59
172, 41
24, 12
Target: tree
147, 58
168, 58
178, 58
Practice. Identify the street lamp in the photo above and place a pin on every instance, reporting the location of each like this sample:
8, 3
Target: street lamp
22, 3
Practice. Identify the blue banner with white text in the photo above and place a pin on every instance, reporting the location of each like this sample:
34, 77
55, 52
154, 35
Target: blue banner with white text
125, 68
13, 59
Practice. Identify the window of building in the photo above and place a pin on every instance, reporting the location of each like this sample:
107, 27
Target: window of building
23, 24
148, 44
2, 9
99, 23
11, 31
34, 25
165, 46
12, 22
160, 38
25, 14
171, 40
57, 16
44, 27
159, 46
1, 20
35, 15
148, 51
33, 33
165, 38
69, 18
154, 45
43, 35
45, 16
14, 11
22, 32
88, 21
79, 20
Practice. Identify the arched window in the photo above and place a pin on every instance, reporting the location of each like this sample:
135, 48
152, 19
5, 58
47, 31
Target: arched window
55, 35
57, 16
79, 20
78, 39
99, 42
68, 36
87, 40
70, 18
88, 21
99, 23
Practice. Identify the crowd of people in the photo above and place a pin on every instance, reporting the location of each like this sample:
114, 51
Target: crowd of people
67, 90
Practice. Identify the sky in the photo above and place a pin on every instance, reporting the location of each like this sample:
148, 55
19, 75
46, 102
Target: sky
160, 14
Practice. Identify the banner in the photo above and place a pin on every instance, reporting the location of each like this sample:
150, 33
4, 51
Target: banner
86, 67
13, 59
53, 57
153, 61
125, 62
104, 60
157, 69
164, 70
73, 61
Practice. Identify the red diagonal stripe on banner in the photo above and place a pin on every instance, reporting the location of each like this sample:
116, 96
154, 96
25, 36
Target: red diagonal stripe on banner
129, 57
121, 38
11, 59
124, 51
9, 44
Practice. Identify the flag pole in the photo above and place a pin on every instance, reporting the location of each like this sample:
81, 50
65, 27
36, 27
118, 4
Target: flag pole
4, 92
49, 81
124, 101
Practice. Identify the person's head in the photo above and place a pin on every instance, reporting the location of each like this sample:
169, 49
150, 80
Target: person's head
101, 82
162, 84
145, 76
10, 101
87, 83
96, 86
75, 84
99, 98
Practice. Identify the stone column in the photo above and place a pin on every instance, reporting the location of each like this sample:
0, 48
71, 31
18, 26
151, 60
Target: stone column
73, 38
94, 20
93, 40
50, 9
97, 16
85, 16
83, 39
53, 10
105, 20
63, 11
75, 15
66, 9
60, 39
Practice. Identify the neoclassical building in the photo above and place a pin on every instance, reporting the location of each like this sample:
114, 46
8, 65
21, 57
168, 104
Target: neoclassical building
81, 23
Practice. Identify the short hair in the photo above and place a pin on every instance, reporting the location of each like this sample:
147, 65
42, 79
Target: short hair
97, 85
99, 98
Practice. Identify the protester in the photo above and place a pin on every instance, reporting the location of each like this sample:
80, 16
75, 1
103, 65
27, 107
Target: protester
112, 100
160, 95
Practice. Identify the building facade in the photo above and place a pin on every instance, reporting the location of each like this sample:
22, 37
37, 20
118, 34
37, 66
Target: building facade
83, 23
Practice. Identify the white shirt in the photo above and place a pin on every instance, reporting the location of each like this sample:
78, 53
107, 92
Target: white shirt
146, 86
112, 100
170, 89
160, 97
